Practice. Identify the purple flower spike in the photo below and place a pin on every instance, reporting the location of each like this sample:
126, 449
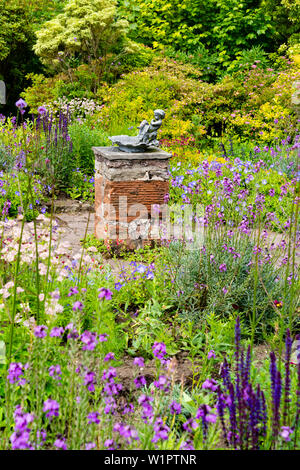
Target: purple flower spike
21, 104
77, 306
139, 361
105, 293
159, 350
175, 408
211, 354
140, 381
42, 110
60, 443
40, 331
51, 408
90, 341
93, 417
286, 432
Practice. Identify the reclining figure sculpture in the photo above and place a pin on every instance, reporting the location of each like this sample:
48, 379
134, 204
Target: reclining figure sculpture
146, 139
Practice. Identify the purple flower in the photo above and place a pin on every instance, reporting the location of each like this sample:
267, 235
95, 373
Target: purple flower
139, 361
90, 340
144, 399
128, 408
109, 356
15, 373
204, 413
60, 443
140, 381
73, 291
93, 417
21, 104
159, 350
55, 371
42, 110
210, 384
77, 306
20, 440
175, 408
105, 293
126, 431
90, 381
22, 420
223, 267
73, 334
40, 331
109, 374
51, 407
163, 383
286, 432
211, 354
110, 444
103, 337
56, 331
187, 445
161, 430
112, 388
110, 405
90, 445
189, 425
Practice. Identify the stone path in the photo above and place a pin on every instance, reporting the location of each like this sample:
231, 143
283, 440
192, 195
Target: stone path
76, 219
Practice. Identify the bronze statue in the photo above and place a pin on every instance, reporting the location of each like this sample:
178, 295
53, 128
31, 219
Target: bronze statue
146, 139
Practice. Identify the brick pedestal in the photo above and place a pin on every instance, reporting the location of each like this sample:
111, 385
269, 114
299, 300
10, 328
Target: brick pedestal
129, 189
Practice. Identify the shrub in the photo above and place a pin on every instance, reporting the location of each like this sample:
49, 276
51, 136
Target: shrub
220, 278
83, 139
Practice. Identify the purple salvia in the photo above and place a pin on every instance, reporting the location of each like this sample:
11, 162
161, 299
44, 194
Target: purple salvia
287, 384
254, 413
225, 373
273, 375
247, 366
220, 409
277, 403
50, 125
60, 119
264, 415
232, 415
276, 394
298, 390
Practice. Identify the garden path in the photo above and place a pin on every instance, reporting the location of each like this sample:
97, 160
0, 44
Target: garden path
77, 219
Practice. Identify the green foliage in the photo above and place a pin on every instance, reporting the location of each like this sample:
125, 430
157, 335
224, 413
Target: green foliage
39, 11
7, 159
150, 326
85, 28
181, 25
201, 283
285, 16
246, 58
81, 186
202, 58
14, 188
84, 138
41, 91
16, 57
223, 27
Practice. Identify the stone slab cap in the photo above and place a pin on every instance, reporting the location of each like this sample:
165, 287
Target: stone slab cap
113, 153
